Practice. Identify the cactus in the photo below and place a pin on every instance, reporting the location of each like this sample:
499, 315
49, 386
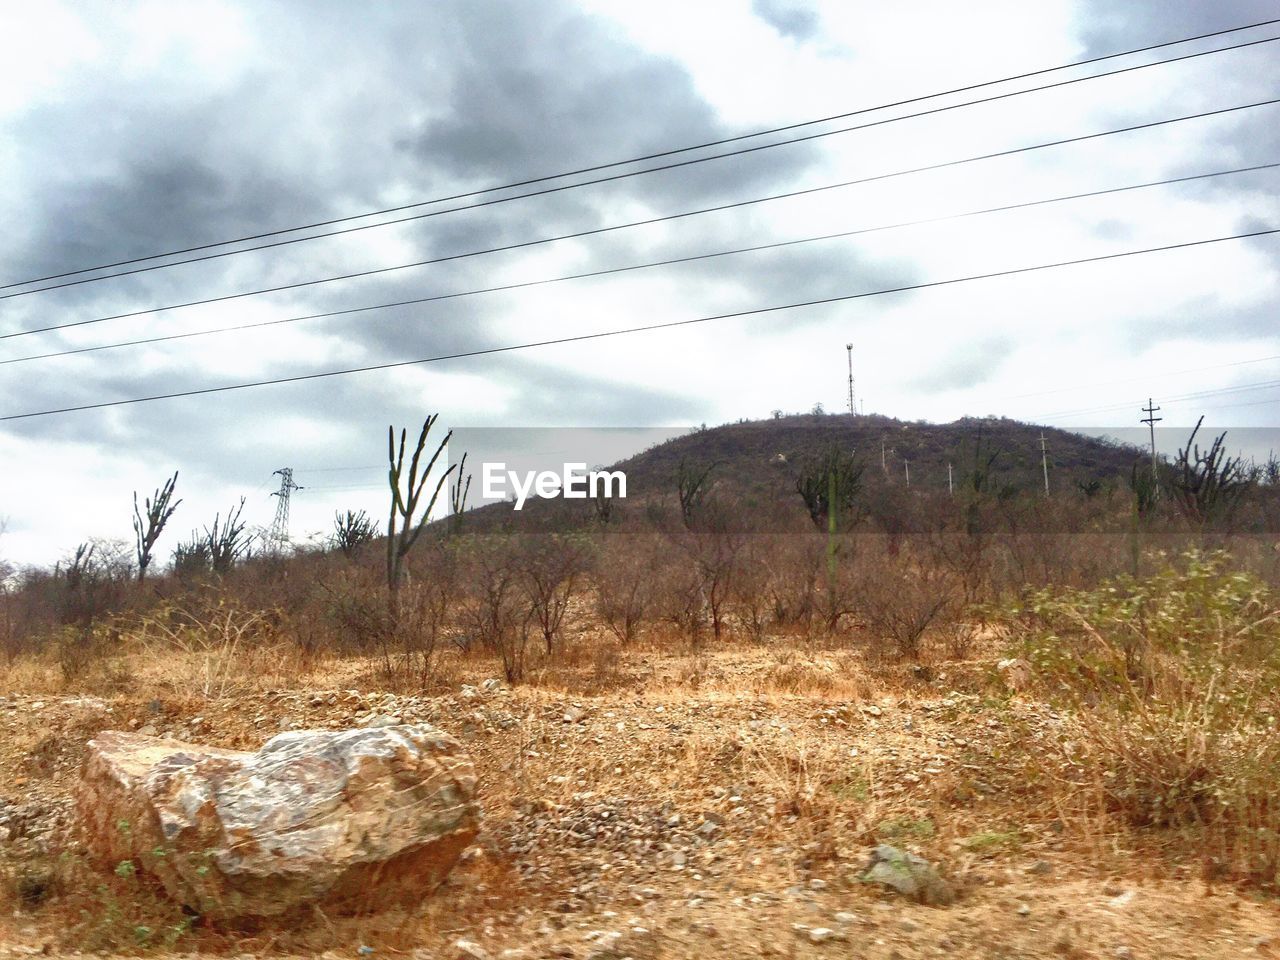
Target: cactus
458, 497
351, 531
159, 510
402, 531
1207, 485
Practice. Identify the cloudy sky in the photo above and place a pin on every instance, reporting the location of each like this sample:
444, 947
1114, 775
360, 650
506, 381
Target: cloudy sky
134, 129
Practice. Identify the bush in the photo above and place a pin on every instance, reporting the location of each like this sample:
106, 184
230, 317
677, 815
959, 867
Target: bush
624, 584
1174, 681
900, 599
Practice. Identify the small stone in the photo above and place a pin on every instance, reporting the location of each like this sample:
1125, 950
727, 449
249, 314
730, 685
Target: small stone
908, 874
148, 730
470, 950
845, 917
816, 884
821, 935
1024, 910
1124, 953
1040, 868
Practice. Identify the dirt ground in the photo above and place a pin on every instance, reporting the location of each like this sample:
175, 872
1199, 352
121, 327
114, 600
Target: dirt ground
646, 804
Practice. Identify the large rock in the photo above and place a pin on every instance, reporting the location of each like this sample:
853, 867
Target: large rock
349, 820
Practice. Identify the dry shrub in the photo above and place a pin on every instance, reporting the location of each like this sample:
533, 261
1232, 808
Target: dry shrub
678, 594
552, 567
752, 587
217, 643
900, 597
1175, 684
796, 674
495, 613
795, 583
624, 584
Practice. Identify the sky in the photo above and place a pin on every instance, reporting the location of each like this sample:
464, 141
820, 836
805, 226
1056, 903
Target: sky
131, 129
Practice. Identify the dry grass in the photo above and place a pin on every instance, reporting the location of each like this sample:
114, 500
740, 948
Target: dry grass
1151, 760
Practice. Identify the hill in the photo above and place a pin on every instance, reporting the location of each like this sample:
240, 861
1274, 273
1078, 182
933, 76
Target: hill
755, 463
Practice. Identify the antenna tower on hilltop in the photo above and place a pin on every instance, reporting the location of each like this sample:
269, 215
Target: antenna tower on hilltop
852, 406
279, 535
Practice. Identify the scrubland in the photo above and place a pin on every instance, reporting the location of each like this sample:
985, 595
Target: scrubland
689, 736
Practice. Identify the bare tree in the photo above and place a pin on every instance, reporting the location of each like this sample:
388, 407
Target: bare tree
495, 612
624, 585
551, 569
159, 508
692, 486
602, 504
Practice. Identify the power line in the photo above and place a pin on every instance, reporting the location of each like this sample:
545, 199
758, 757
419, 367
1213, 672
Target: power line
639, 266
1182, 398
1236, 406
600, 230
375, 466
668, 153
646, 328
358, 486
1115, 383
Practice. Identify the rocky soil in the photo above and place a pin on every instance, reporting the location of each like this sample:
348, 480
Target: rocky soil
718, 806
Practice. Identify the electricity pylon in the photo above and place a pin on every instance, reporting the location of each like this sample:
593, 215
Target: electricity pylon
279, 535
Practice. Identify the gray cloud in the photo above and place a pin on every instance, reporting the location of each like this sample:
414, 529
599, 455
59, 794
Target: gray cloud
792, 20
331, 109
1248, 137
976, 363
515, 112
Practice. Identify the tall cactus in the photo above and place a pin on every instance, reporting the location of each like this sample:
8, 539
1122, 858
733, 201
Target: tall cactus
159, 510
458, 496
402, 531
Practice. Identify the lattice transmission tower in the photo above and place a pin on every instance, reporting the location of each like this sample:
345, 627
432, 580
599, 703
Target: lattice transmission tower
279, 535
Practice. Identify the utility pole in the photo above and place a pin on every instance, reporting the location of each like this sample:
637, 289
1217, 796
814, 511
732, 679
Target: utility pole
1151, 421
950, 488
884, 466
853, 408
279, 535
1044, 462
907, 466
